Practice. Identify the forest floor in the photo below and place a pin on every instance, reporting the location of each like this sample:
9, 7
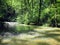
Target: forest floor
40, 36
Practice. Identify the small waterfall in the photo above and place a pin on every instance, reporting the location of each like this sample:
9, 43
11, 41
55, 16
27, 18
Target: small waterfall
10, 24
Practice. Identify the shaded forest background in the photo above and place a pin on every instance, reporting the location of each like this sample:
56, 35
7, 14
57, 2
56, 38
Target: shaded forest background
33, 12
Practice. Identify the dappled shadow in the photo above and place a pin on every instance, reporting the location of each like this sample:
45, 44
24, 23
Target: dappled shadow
47, 34
24, 42
43, 43
51, 34
53, 31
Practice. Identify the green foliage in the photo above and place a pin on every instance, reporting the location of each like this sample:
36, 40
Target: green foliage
29, 11
55, 21
24, 28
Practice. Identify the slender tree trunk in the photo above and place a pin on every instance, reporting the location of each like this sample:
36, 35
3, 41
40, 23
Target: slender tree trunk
55, 13
39, 21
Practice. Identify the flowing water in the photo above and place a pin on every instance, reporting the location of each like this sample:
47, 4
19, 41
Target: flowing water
29, 35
